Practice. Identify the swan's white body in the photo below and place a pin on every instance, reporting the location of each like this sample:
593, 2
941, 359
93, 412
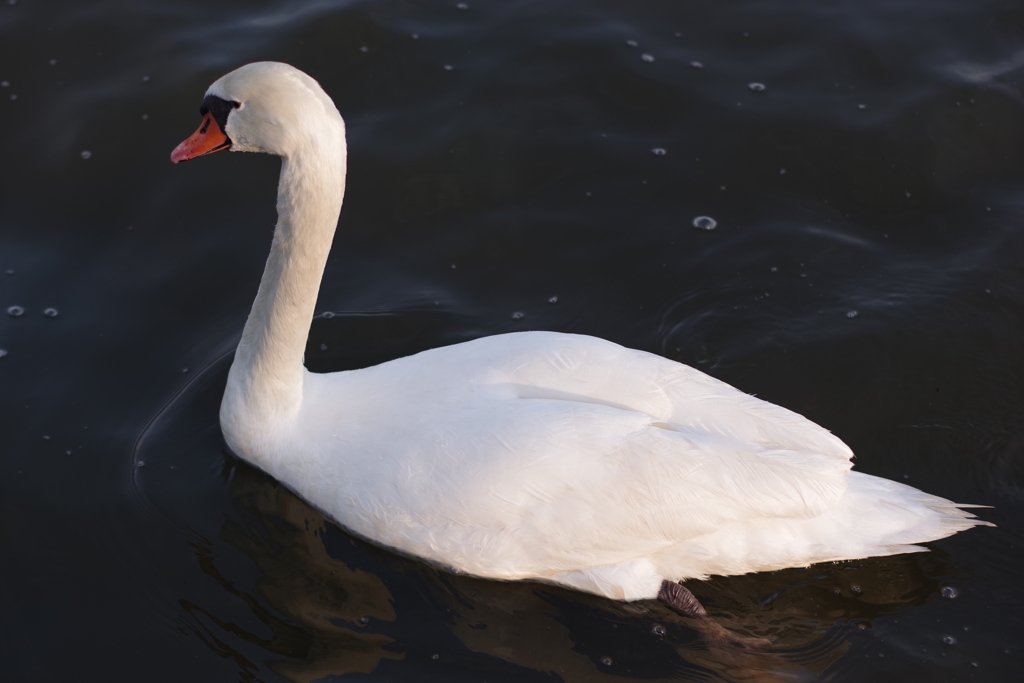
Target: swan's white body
533, 455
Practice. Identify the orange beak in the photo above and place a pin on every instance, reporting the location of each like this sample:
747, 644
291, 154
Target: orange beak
208, 139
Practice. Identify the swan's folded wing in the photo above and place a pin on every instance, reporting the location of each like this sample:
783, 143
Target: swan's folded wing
587, 369
539, 486
522, 454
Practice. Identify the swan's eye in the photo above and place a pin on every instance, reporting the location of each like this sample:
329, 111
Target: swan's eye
219, 108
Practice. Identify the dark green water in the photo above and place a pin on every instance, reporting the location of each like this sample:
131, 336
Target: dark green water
865, 271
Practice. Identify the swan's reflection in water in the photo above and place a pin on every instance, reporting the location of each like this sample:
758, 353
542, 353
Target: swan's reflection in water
339, 605
318, 602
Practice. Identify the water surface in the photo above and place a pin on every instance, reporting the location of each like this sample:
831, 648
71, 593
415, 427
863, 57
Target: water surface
514, 165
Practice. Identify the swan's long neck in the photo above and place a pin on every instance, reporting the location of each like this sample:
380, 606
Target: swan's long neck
264, 390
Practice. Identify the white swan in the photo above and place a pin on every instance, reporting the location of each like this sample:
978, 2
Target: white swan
534, 455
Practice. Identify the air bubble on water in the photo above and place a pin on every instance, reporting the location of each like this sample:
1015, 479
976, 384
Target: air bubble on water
659, 151
851, 314
323, 347
50, 312
53, 62
705, 223
15, 311
775, 269
141, 463
607, 661
862, 106
3, 352
855, 589
658, 630
86, 154
67, 452
782, 171
5, 84
448, 67
10, 271
415, 36
184, 371
756, 87
145, 117
364, 620
13, 97
46, 437
462, 6
364, 48
553, 300
949, 640
328, 314
435, 656
647, 58
631, 43
518, 315
145, 79
453, 266
949, 592
697, 65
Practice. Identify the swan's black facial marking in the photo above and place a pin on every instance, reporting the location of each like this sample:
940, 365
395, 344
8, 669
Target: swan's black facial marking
219, 109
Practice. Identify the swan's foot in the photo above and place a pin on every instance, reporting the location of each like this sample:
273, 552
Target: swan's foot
680, 600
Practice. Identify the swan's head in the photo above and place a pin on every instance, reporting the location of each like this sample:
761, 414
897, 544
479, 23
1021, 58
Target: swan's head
264, 107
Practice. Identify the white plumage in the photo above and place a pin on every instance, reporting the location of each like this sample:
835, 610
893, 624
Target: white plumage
532, 455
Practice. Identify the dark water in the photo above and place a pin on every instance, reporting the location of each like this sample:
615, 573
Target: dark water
866, 271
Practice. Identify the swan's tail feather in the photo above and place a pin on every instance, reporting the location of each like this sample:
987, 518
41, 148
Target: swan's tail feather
909, 516
876, 517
